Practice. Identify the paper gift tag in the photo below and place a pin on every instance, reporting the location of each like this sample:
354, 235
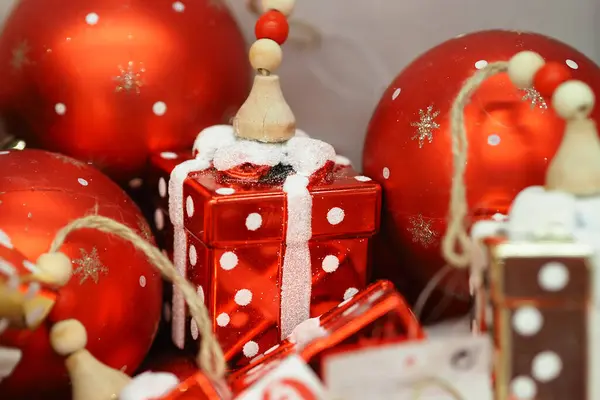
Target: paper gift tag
291, 379
451, 368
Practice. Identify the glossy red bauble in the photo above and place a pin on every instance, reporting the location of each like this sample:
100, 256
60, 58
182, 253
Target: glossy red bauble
551, 76
114, 291
112, 81
272, 25
512, 135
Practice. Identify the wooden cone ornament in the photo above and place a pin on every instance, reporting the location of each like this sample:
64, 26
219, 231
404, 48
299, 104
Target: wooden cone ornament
90, 379
93, 380
22, 303
266, 116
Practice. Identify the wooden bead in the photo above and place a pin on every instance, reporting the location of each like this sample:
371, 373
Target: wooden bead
55, 268
265, 54
550, 77
522, 68
272, 25
283, 6
573, 99
68, 337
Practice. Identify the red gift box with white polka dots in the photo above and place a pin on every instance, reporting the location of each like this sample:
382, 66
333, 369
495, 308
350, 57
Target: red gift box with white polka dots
376, 315
236, 250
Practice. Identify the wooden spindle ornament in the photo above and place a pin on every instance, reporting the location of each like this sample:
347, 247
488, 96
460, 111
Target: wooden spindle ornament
90, 379
266, 116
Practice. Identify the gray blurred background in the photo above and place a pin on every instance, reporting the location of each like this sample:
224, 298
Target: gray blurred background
333, 87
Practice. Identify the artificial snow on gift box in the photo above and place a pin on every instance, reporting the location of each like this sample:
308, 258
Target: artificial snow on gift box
265, 223
377, 314
534, 275
455, 367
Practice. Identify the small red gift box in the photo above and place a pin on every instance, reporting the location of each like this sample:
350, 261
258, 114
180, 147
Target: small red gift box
267, 249
377, 314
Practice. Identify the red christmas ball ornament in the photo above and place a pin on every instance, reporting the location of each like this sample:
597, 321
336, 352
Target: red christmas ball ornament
272, 25
549, 77
512, 136
114, 291
112, 81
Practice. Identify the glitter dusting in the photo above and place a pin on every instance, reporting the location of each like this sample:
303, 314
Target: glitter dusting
145, 231
425, 126
129, 79
534, 98
89, 266
69, 160
422, 232
20, 55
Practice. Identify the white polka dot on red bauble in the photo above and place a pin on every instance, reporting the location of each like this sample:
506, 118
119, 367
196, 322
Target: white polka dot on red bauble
396, 93
243, 297
335, 216
330, 263
142, 281
159, 108
193, 255
159, 219
572, 64
162, 187
250, 349
60, 108
253, 221
223, 319
5, 239
189, 206
168, 155
386, 173
350, 293
178, 6
136, 183
228, 260
92, 18
481, 64
82, 182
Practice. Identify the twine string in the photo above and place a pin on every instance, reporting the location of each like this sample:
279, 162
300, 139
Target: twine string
456, 242
210, 357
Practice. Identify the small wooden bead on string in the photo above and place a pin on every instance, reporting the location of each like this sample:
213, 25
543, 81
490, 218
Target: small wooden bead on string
265, 116
92, 380
575, 168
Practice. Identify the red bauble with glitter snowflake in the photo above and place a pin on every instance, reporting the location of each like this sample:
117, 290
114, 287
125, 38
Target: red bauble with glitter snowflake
512, 136
112, 81
115, 292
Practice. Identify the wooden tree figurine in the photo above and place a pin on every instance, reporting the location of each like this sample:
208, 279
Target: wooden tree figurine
535, 275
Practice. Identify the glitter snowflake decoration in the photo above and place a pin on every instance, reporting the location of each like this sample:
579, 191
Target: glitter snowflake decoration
89, 266
425, 126
20, 55
422, 232
129, 79
535, 99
